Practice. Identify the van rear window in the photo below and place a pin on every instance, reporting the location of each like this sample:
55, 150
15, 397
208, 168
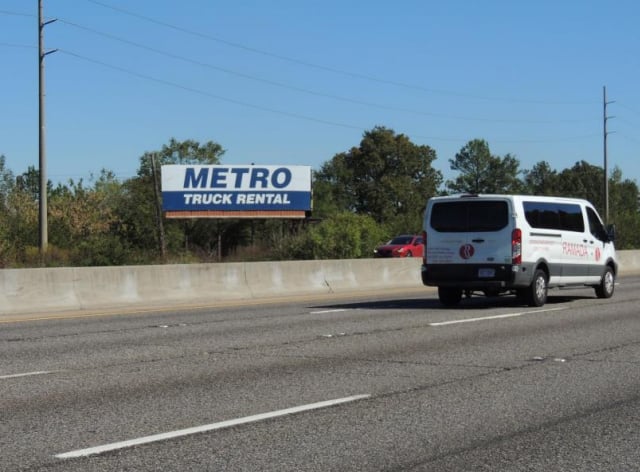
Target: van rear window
469, 216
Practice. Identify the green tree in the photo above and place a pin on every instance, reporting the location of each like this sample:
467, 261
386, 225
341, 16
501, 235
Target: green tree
481, 172
341, 236
7, 184
83, 222
387, 177
19, 225
19, 199
623, 194
138, 210
583, 180
181, 152
623, 210
627, 225
333, 191
541, 180
29, 182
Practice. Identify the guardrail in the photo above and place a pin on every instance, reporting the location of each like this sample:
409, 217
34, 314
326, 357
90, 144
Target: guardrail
94, 288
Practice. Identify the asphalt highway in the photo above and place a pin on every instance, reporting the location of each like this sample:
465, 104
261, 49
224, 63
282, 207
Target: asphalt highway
389, 381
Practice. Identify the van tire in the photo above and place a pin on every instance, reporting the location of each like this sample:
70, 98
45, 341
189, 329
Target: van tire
607, 284
449, 296
536, 293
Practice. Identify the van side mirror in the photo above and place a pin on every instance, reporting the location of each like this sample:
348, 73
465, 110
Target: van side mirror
611, 232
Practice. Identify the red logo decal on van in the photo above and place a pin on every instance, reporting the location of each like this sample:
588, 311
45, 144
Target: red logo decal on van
466, 251
598, 255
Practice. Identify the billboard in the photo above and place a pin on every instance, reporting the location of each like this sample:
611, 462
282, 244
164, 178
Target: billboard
247, 191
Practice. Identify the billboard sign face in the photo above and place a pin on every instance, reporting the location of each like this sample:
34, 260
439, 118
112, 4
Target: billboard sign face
251, 191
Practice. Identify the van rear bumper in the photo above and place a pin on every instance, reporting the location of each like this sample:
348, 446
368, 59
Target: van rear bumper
504, 276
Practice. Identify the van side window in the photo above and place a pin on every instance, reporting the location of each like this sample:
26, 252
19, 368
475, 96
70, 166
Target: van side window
469, 216
595, 225
558, 216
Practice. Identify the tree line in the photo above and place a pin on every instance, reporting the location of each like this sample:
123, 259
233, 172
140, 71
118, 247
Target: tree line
361, 197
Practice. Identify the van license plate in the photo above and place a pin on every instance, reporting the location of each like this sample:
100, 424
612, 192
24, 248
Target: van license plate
486, 273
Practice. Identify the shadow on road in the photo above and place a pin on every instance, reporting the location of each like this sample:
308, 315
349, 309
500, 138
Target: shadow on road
473, 303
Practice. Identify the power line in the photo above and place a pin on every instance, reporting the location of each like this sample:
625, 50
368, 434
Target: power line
267, 109
626, 122
16, 13
333, 70
208, 94
303, 90
629, 138
277, 111
628, 108
23, 46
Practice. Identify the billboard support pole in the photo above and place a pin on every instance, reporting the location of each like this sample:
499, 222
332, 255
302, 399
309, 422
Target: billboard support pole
158, 205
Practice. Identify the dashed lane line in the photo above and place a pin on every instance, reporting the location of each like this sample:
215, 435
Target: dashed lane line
493, 317
209, 427
26, 374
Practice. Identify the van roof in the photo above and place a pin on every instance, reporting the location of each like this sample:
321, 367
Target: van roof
540, 198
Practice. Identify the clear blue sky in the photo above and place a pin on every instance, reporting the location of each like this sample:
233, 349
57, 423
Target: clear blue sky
297, 81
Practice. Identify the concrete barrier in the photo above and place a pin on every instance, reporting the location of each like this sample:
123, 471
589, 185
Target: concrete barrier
277, 279
95, 288
629, 262
55, 289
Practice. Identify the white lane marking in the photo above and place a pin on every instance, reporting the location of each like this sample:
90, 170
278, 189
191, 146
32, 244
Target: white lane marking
494, 317
209, 427
25, 374
327, 311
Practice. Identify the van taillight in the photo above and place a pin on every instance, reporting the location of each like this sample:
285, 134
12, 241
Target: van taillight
424, 250
516, 247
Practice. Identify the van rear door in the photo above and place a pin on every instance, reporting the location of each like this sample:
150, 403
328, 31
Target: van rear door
469, 230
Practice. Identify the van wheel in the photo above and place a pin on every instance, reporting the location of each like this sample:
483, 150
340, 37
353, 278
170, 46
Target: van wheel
607, 284
536, 293
449, 296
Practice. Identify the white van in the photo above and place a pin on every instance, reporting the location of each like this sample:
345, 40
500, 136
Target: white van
499, 244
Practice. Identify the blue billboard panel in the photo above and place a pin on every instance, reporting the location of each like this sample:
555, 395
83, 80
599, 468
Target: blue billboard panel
219, 188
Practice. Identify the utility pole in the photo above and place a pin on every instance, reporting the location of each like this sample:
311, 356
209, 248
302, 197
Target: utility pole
605, 133
42, 159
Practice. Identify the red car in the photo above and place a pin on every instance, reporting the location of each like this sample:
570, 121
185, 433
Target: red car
405, 245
